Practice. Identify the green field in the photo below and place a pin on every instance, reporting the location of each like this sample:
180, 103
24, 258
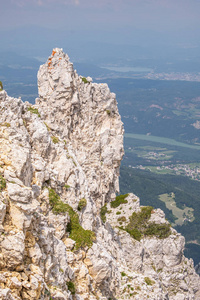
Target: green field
161, 140
180, 214
160, 171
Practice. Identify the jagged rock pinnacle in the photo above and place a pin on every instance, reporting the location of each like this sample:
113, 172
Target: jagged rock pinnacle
64, 234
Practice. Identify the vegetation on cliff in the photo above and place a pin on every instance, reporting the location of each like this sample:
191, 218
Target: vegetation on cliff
34, 111
119, 200
139, 226
82, 237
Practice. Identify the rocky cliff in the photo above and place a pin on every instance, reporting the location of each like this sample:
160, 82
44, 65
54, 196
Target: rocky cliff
63, 232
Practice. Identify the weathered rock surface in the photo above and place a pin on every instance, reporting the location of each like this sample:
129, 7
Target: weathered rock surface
59, 168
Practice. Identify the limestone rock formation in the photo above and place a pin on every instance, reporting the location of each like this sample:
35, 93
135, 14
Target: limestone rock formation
63, 232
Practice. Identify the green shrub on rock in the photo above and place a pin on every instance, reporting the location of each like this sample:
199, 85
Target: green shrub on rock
161, 231
135, 233
71, 287
139, 220
82, 237
140, 226
82, 204
119, 200
122, 219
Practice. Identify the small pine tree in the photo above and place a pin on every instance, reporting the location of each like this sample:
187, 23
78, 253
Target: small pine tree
1, 86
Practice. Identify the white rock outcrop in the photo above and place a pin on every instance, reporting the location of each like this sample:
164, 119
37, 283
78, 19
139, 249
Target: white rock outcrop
62, 235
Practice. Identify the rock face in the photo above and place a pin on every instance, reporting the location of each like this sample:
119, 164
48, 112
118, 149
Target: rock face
63, 234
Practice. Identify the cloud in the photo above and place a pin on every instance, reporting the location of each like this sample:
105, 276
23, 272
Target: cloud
76, 2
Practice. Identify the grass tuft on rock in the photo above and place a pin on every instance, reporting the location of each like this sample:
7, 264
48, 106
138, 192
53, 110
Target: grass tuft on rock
66, 186
71, 287
123, 274
1, 86
34, 111
108, 112
149, 281
6, 124
81, 236
57, 205
2, 183
48, 128
82, 203
119, 200
84, 80
103, 212
55, 139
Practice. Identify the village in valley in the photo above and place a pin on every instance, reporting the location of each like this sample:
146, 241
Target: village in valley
166, 167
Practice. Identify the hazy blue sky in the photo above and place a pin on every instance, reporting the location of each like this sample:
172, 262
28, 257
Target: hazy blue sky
143, 23
158, 15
